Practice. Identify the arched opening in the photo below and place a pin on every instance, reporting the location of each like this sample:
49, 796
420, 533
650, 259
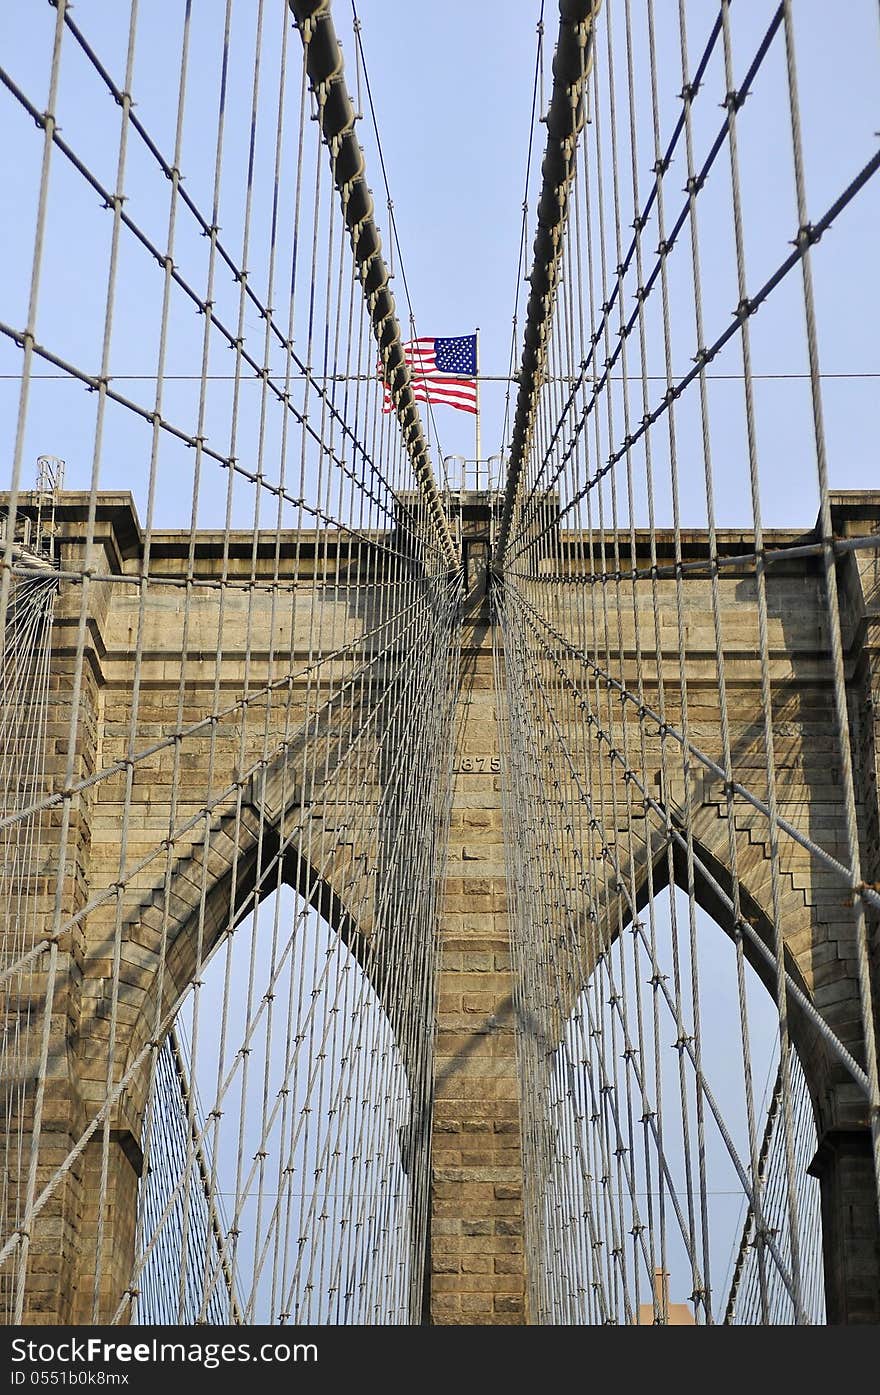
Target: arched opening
657, 1203
277, 1184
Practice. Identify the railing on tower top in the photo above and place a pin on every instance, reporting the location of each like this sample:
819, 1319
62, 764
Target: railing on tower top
474, 476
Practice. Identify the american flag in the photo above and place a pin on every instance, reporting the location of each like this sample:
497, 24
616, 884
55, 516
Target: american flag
442, 371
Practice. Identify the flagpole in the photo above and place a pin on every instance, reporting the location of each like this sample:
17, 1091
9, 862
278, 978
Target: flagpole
477, 399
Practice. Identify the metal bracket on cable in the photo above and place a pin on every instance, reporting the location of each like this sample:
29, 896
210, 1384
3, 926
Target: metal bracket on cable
565, 119
324, 65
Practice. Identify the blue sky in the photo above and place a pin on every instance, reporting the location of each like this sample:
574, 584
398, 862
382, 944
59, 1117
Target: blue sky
452, 86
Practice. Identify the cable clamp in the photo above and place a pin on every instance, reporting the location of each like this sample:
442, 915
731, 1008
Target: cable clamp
807, 236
